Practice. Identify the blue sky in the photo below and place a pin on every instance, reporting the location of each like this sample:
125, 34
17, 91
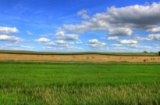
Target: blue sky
80, 25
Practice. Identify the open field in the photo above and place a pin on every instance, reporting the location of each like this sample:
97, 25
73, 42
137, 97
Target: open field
79, 78
42, 83
80, 58
7, 55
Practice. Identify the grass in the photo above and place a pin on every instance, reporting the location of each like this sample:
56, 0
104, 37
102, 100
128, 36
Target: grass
46, 83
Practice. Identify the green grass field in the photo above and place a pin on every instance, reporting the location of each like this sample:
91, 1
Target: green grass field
46, 83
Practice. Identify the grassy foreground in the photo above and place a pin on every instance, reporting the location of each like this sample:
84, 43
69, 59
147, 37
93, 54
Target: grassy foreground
35, 83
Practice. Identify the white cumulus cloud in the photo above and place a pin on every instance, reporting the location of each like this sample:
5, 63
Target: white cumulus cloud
129, 17
154, 30
137, 16
137, 37
95, 43
83, 14
113, 38
9, 38
42, 40
154, 37
150, 37
120, 31
60, 44
8, 30
128, 42
62, 35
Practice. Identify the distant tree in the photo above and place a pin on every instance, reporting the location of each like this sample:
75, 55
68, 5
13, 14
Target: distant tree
159, 53
145, 52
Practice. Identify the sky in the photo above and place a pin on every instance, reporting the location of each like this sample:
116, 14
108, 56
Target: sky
80, 25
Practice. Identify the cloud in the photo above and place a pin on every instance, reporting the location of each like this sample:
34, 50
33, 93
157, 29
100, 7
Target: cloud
95, 43
8, 30
10, 45
42, 40
154, 37
140, 47
64, 49
129, 17
62, 35
83, 14
154, 30
29, 33
150, 37
137, 16
10, 38
56, 44
79, 42
46, 35
63, 43
85, 26
28, 47
144, 47
120, 31
116, 45
158, 48
134, 44
137, 37
128, 42
16, 46
113, 38
59, 43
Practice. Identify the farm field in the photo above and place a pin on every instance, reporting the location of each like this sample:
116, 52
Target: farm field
80, 57
48, 83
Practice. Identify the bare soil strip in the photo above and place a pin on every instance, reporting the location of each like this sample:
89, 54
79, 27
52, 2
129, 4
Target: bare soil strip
83, 58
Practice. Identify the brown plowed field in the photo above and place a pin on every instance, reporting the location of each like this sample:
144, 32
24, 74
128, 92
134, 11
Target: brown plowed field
83, 58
